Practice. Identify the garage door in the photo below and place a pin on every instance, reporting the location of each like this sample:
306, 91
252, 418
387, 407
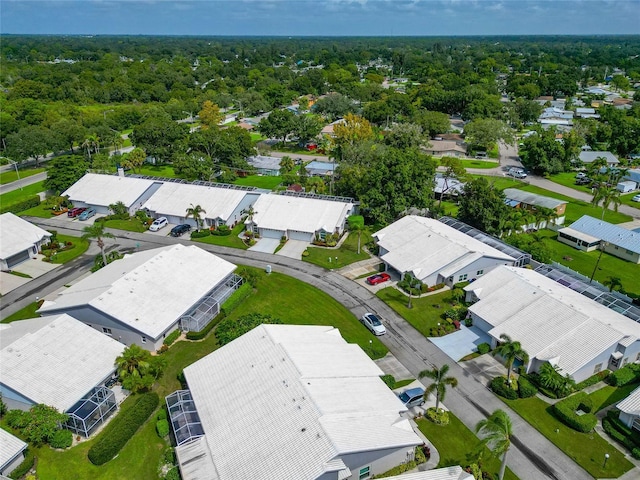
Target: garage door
18, 258
268, 233
304, 236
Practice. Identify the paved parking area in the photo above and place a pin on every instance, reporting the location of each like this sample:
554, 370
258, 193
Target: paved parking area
34, 267
266, 245
484, 368
293, 249
163, 232
461, 343
390, 365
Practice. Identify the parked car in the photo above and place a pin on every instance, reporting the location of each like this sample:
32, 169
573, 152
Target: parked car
74, 212
378, 278
159, 223
373, 323
414, 397
583, 181
517, 173
580, 175
87, 214
180, 230
635, 198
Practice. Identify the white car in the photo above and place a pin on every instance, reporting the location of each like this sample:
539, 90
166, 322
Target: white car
159, 223
373, 323
635, 198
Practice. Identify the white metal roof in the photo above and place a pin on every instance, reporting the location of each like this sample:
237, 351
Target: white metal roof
10, 447
283, 212
446, 473
586, 156
608, 232
293, 413
104, 190
579, 235
532, 198
425, 246
551, 321
58, 363
175, 198
631, 404
17, 235
149, 290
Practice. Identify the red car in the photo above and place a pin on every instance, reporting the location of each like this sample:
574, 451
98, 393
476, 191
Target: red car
378, 278
74, 212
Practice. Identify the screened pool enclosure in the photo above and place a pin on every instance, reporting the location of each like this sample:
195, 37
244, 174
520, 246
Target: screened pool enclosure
184, 417
91, 411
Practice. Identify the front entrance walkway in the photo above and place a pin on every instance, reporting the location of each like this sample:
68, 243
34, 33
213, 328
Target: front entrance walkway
461, 343
266, 245
293, 249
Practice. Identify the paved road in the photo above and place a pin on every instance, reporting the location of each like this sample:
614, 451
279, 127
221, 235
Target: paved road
23, 182
532, 455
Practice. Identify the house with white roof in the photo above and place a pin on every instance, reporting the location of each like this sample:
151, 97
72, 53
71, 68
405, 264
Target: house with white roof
434, 252
265, 165
454, 472
588, 234
531, 201
12, 452
630, 410
554, 323
299, 217
99, 191
19, 240
589, 156
288, 401
60, 362
222, 206
451, 148
145, 296
556, 116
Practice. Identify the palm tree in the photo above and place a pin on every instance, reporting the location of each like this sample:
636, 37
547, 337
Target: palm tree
609, 196
510, 350
614, 283
249, 212
356, 225
97, 232
133, 361
497, 432
195, 212
440, 382
91, 143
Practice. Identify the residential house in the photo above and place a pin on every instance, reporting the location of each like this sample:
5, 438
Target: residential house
61, 362
328, 129
556, 116
448, 148
434, 252
630, 410
145, 296
587, 113
265, 165
447, 186
19, 240
588, 234
318, 168
554, 323
531, 201
300, 399
12, 452
588, 156
299, 216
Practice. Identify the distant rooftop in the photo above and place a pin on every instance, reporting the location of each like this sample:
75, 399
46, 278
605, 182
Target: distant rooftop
587, 156
608, 232
532, 198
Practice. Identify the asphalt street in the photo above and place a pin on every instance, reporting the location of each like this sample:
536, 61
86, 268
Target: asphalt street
23, 182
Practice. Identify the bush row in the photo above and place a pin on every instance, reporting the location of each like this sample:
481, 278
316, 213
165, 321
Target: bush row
162, 428
230, 329
205, 331
172, 337
236, 298
21, 206
592, 380
26, 465
525, 388
534, 378
565, 410
628, 374
111, 440
499, 386
621, 433
200, 233
221, 231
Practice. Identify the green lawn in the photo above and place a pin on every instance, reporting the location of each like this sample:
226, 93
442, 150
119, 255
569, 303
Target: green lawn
27, 312
479, 164
42, 211
80, 246
609, 395
260, 181
18, 195
502, 182
424, 315
457, 445
11, 176
586, 449
568, 179
232, 240
626, 199
347, 253
157, 171
585, 262
131, 225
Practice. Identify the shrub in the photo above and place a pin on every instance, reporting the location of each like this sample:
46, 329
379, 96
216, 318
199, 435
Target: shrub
389, 380
250, 275
221, 231
162, 414
230, 329
592, 380
26, 465
172, 474
172, 337
236, 298
484, 348
200, 233
61, 439
635, 453
21, 206
111, 440
441, 416
17, 419
205, 331
525, 388
162, 428
628, 374
499, 386
566, 409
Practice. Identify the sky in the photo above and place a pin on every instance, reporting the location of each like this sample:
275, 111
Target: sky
321, 17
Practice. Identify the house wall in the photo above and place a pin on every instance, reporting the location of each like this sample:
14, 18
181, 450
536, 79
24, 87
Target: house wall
483, 325
137, 204
622, 253
576, 243
11, 465
14, 400
378, 461
627, 418
236, 215
484, 264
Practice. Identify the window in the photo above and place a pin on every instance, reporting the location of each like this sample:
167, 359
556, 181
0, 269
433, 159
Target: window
144, 339
479, 272
364, 472
450, 279
615, 362
629, 252
597, 368
106, 330
462, 278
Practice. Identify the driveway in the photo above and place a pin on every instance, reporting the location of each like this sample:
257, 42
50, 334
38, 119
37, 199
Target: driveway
266, 245
484, 368
293, 249
461, 343
33, 267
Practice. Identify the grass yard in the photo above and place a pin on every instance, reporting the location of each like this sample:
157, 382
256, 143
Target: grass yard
260, 181
27, 312
568, 179
584, 262
232, 240
157, 171
16, 196
626, 199
479, 164
80, 246
609, 395
586, 449
502, 182
41, 211
457, 445
347, 253
131, 225
11, 176
424, 315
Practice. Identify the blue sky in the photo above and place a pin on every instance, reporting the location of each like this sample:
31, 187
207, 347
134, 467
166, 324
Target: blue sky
321, 17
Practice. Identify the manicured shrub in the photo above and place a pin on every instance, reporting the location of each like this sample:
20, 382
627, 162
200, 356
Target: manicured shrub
624, 376
26, 465
592, 380
162, 414
499, 386
200, 234
525, 388
236, 298
484, 348
21, 206
172, 337
205, 331
111, 440
61, 439
162, 428
221, 231
441, 416
566, 409
17, 419
230, 329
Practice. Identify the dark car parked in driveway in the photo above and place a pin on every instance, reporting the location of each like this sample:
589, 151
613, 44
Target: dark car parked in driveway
74, 212
179, 230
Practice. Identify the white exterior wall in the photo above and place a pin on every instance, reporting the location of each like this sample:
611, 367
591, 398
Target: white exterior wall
378, 461
14, 400
484, 264
627, 418
622, 253
10, 466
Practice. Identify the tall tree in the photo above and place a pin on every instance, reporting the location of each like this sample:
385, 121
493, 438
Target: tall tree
440, 382
497, 431
356, 225
482, 206
306, 128
134, 159
70, 132
138, 369
511, 350
160, 137
210, 115
30, 142
64, 171
279, 124
454, 170
614, 283
486, 132
196, 212
97, 232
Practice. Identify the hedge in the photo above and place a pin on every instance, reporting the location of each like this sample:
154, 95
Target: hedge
162, 414
162, 428
230, 329
172, 337
26, 465
525, 388
565, 410
200, 233
628, 374
111, 440
236, 298
484, 348
592, 380
205, 331
61, 439
221, 231
21, 206
499, 386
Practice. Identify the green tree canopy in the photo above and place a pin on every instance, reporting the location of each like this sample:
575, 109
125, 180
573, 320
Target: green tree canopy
64, 171
482, 206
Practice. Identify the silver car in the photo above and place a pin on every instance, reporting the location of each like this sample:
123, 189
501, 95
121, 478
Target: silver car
373, 323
